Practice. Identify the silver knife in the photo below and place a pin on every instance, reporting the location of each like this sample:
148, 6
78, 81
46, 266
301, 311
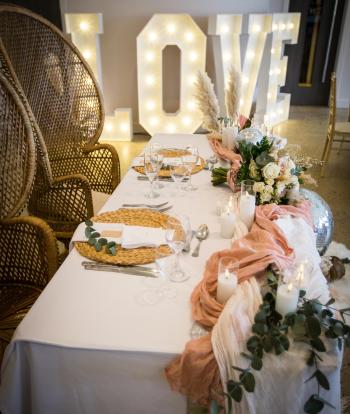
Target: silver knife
130, 270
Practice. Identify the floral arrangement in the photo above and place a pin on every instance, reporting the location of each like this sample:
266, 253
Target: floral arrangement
276, 175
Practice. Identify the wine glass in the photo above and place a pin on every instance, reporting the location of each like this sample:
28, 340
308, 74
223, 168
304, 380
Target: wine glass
177, 171
178, 231
190, 160
151, 171
158, 158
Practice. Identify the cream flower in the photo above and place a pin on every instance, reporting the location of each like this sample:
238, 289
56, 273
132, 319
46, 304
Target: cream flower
265, 197
280, 187
270, 181
268, 189
258, 187
271, 170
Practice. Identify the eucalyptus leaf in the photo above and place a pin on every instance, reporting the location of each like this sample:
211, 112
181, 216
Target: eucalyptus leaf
313, 327
313, 405
260, 317
257, 363
92, 241
98, 247
285, 342
111, 244
95, 235
322, 380
248, 381
89, 223
259, 328
318, 344
113, 250
102, 241
267, 343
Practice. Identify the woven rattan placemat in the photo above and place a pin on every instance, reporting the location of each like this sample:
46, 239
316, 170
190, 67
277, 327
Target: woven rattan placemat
133, 217
173, 153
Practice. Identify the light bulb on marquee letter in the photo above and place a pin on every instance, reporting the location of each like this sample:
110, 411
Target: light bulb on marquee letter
229, 27
85, 29
182, 31
285, 27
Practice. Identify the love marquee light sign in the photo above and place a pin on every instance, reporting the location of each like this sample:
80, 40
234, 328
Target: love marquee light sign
263, 58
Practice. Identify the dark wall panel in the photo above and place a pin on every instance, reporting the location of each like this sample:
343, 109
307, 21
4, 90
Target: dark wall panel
50, 9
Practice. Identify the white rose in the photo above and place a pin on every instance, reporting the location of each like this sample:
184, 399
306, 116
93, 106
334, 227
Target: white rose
270, 181
265, 197
280, 186
271, 170
268, 189
258, 187
294, 180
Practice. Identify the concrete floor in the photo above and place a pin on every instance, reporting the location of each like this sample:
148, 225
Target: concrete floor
306, 126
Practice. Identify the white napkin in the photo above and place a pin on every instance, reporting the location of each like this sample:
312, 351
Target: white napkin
130, 237
137, 236
138, 162
103, 228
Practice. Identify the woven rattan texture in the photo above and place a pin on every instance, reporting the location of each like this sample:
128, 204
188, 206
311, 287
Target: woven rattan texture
28, 258
17, 152
135, 217
66, 105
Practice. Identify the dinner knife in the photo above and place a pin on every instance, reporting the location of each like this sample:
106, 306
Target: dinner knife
130, 270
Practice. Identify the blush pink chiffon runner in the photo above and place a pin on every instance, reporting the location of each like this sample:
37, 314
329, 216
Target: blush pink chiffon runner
195, 373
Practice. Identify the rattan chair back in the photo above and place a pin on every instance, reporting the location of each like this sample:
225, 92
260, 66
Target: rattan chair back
61, 89
17, 152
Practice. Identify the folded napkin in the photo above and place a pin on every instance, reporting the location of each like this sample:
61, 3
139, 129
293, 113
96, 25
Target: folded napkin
130, 237
137, 236
111, 231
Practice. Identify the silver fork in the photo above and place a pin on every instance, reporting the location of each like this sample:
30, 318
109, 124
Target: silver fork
146, 205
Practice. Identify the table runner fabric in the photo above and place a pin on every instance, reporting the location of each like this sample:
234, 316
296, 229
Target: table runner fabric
194, 373
280, 374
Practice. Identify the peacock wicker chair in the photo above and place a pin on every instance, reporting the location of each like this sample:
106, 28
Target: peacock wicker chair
67, 110
28, 253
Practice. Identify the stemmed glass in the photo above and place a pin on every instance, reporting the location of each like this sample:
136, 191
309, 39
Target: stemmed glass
190, 162
158, 158
177, 171
151, 170
178, 231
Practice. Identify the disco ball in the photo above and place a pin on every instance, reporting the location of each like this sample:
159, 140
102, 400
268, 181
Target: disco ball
322, 218
252, 135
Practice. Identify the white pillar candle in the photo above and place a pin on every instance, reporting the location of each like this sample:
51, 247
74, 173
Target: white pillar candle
227, 283
218, 207
247, 209
287, 299
300, 277
227, 224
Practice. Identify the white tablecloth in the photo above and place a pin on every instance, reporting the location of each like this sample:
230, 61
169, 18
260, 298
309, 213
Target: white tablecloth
88, 345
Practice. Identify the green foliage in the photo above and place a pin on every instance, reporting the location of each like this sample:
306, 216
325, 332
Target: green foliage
95, 239
311, 321
258, 152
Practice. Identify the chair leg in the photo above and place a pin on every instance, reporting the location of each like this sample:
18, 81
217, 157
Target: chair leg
340, 145
325, 150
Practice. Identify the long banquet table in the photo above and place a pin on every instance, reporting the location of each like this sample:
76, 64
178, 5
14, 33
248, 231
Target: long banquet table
89, 345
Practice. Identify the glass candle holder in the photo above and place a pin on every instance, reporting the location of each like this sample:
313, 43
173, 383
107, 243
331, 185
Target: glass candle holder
227, 278
247, 203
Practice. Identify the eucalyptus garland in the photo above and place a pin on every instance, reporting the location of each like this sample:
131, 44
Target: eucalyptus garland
95, 240
311, 322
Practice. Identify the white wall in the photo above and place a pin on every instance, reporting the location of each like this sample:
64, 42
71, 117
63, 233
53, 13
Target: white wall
343, 61
124, 19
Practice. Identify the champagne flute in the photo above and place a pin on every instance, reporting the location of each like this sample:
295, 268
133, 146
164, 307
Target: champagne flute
190, 162
151, 171
178, 231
